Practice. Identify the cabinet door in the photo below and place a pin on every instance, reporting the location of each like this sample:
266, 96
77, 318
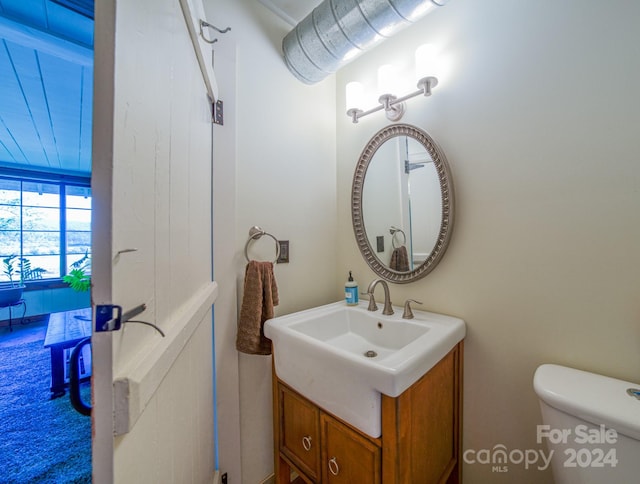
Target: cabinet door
347, 457
300, 432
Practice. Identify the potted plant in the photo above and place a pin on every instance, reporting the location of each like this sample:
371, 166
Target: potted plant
11, 292
79, 278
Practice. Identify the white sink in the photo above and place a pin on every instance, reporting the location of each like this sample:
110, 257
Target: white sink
322, 353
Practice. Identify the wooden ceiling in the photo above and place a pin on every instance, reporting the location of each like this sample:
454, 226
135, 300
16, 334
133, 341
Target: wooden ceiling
46, 85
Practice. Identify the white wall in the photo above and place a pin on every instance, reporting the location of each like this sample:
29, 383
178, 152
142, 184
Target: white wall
538, 118
274, 167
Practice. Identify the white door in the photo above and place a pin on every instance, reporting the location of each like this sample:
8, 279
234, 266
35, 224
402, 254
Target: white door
151, 177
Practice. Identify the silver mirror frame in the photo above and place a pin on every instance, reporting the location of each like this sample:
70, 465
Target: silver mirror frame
446, 190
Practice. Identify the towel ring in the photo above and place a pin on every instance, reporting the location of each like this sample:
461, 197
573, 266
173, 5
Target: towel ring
393, 231
254, 234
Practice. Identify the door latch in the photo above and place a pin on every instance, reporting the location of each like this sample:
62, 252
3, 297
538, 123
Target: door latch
109, 317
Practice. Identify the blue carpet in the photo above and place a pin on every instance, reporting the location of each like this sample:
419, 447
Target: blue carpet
41, 440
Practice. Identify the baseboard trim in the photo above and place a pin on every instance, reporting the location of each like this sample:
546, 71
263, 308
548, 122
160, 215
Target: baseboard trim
17, 321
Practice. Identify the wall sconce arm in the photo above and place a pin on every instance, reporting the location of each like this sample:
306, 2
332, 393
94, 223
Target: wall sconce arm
393, 106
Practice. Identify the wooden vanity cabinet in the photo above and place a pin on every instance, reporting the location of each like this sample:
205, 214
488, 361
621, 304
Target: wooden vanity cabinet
420, 441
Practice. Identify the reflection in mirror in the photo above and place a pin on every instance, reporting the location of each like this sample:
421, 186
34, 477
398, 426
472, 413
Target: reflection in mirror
402, 203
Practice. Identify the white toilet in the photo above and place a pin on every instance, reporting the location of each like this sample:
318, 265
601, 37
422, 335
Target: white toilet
591, 423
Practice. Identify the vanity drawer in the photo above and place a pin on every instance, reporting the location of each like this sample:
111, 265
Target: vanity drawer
300, 432
347, 456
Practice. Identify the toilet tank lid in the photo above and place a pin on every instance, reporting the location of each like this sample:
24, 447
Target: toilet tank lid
595, 398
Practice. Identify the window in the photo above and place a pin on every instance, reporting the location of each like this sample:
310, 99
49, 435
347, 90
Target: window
45, 223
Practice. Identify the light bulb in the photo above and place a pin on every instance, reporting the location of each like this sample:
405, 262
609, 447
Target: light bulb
426, 61
386, 79
354, 95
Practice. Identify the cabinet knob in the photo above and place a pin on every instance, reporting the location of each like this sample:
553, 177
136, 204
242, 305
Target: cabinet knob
333, 466
306, 442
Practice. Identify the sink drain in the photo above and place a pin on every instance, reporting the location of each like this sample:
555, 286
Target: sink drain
370, 354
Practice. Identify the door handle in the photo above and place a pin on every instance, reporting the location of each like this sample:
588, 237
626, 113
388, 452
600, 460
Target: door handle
74, 378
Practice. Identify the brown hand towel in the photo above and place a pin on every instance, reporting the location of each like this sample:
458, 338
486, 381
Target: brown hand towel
399, 259
260, 297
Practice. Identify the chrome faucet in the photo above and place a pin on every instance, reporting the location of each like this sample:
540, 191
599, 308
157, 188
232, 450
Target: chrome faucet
388, 310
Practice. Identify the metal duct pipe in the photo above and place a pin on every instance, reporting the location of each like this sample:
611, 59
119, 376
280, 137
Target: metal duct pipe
337, 31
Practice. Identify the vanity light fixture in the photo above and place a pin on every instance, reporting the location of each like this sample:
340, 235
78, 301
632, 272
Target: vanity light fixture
394, 107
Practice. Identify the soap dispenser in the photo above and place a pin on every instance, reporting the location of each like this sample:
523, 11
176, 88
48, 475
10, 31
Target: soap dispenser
351, 291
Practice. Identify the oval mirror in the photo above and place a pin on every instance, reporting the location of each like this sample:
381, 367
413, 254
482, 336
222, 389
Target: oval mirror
402, 203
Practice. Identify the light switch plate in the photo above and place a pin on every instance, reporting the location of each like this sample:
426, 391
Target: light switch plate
283, 258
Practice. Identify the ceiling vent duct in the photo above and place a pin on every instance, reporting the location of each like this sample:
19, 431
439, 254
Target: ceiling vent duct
337, 31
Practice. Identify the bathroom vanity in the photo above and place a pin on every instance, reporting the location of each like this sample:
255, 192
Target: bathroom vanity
368, 396
419, 442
